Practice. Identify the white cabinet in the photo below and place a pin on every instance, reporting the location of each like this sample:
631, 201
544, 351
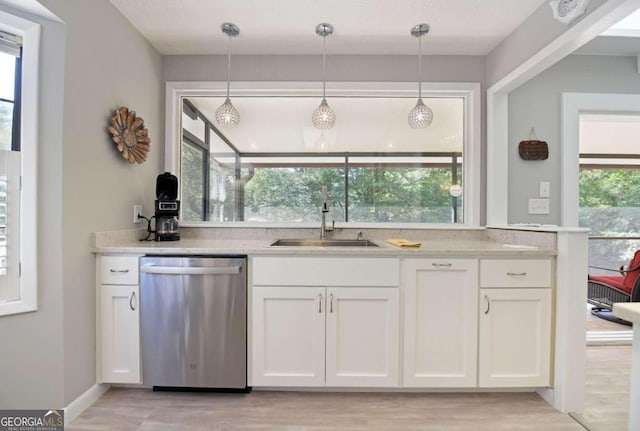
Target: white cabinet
363, 336
440, 322
515, 324
288, 336
334, 334
118, 321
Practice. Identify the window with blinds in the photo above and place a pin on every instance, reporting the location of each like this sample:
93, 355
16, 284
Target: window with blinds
10, 160
3, 225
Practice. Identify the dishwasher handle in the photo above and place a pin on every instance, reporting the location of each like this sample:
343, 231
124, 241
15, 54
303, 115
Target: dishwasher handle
191, 270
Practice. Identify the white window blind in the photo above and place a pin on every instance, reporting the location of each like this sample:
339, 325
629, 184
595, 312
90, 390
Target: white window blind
9, 226
10, 44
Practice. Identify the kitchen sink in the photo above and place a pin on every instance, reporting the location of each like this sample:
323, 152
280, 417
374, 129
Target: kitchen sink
323, 243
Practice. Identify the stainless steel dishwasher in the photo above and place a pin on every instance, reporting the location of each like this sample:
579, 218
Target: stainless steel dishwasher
193, 317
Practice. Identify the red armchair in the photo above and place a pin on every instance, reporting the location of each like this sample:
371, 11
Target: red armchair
604, 290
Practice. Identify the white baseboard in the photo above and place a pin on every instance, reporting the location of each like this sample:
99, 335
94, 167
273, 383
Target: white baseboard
609, 338
80, 404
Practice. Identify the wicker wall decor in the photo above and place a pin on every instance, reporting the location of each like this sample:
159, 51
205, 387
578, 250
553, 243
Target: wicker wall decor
129, 134
533, 149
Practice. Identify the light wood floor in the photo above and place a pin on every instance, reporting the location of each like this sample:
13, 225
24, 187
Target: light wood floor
607, 388
143, 410
606, 408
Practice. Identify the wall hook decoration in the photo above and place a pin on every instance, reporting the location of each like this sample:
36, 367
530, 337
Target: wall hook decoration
533, 149
129, 134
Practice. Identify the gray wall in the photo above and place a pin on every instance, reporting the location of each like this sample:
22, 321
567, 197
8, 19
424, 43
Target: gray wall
537, 104
31, 356
91, 64
309, 68
108, 64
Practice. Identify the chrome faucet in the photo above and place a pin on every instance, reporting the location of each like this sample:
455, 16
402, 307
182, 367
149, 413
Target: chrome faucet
325, 210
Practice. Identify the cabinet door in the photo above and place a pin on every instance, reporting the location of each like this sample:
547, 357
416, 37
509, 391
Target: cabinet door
515, 337
362, 337
440, 322
288, 336
120, 319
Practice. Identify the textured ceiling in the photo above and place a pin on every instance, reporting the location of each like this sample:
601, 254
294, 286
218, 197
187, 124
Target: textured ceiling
464, 27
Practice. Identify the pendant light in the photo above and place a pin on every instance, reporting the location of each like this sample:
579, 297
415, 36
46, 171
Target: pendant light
323, 117
227, 115
421, 115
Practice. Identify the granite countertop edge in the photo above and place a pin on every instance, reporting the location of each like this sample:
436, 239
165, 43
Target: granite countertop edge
261, 247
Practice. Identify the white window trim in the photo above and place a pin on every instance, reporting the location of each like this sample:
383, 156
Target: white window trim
573, 104
470, 92
30, 32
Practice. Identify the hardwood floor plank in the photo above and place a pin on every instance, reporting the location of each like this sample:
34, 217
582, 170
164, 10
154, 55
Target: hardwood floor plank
606, 408
142, 410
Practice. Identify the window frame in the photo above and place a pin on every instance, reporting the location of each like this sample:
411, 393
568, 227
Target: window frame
176, 91
30, 32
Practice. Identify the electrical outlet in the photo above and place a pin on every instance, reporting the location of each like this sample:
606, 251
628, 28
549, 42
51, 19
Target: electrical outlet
538, 206
137, 210
545, 189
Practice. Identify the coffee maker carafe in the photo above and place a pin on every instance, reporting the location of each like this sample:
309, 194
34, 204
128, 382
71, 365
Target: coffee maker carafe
167, 208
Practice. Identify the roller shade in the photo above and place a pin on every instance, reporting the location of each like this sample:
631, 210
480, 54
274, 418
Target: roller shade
609, 139
10, 44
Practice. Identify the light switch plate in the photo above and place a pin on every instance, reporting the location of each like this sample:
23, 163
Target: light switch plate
538, 206
545, 189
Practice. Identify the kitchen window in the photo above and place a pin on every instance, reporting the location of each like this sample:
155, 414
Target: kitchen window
376, 168
19, 57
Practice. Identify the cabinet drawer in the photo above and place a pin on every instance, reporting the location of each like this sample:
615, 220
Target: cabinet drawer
119, 270
325, 271
515, 273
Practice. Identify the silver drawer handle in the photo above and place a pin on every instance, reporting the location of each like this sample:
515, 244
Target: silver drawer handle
122, 271
441, 265
486, 298
192, 270
320, 303
331, 303
131, 301
516, 274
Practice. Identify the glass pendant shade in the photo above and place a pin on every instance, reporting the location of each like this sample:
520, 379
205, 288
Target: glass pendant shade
323, 117
227, 115
420, 116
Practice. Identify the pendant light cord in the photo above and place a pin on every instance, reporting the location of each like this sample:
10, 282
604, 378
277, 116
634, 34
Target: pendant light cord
229, 66
324, 65
420, 67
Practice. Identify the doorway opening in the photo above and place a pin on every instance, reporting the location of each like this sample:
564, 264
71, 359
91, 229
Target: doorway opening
609, 205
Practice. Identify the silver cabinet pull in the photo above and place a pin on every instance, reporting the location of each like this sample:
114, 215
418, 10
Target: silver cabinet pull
516, 274
122, 271
486, 298
131, 301
442, 265
331, 303
320, 304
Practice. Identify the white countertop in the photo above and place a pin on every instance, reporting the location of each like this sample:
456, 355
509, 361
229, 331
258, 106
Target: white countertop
261, 247
629, 311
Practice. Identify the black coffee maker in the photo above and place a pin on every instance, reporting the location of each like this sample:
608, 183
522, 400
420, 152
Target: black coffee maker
167, 208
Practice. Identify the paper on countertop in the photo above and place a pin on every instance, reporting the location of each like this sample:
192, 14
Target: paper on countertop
401, 242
